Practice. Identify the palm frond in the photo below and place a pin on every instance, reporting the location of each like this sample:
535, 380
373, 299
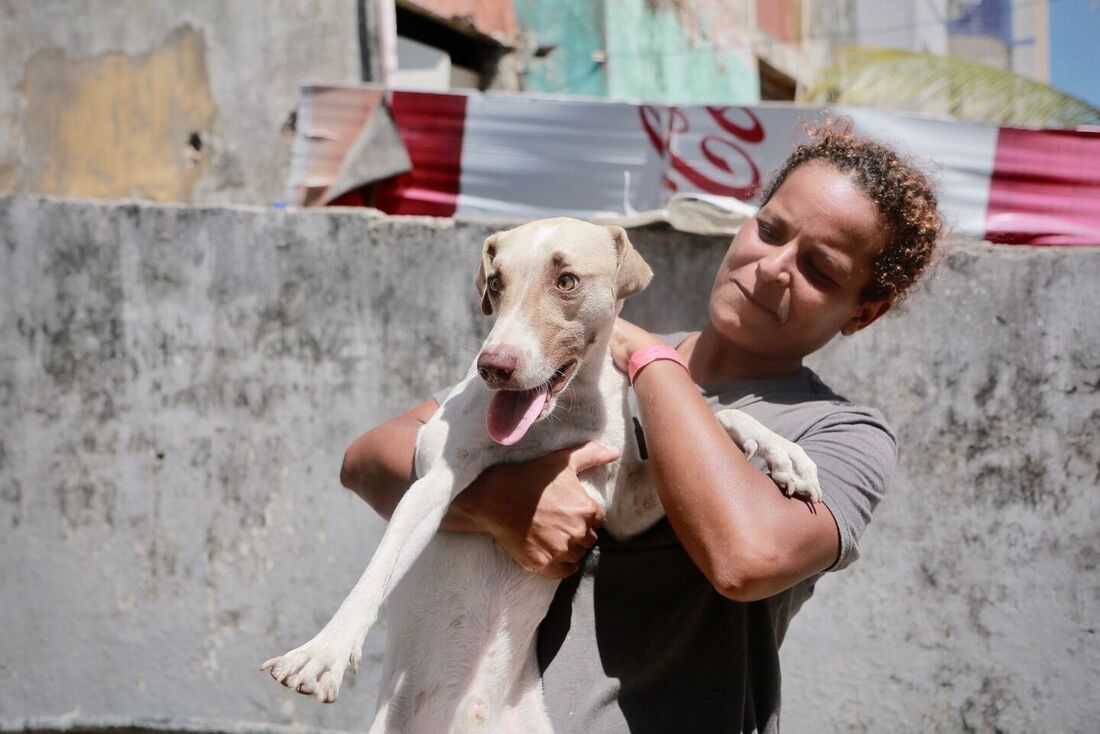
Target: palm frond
915, 82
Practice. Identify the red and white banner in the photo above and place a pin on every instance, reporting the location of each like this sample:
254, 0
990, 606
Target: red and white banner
517, 156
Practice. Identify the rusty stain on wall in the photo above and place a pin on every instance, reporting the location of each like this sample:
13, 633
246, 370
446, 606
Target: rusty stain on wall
7, 176
117, 125
496, 18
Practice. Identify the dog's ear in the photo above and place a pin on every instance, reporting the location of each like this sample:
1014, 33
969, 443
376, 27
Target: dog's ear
633, 273
488, 250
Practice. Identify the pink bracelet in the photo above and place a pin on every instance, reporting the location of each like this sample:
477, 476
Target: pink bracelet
642, 357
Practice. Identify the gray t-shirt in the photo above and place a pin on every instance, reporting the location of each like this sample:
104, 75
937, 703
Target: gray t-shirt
639, 641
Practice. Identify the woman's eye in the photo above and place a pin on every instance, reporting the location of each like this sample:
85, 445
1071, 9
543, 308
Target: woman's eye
766, 232
819, 275
567, 282
495, 285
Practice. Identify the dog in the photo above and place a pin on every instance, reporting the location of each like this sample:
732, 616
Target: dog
462, 615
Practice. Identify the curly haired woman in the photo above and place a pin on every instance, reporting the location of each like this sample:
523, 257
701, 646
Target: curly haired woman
678, 630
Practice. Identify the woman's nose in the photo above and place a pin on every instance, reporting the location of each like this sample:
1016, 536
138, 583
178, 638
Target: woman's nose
775, 268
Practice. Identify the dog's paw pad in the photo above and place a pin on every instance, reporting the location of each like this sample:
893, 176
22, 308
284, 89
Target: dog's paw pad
791, 469
328, 687
314, 669
353, 661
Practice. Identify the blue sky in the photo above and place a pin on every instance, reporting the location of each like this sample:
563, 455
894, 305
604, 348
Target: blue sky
1075, 48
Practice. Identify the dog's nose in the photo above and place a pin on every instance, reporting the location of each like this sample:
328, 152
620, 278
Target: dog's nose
496, 365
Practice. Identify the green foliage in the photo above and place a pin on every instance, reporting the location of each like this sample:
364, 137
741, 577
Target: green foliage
914, 82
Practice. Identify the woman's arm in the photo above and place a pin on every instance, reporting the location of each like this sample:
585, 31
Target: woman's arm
538, 511
747, 537
379, 466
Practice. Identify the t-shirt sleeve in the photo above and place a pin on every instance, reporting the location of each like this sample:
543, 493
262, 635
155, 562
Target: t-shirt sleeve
856, 455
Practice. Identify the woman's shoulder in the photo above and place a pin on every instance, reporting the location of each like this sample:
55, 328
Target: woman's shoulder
799, 405
792, 405
837, 409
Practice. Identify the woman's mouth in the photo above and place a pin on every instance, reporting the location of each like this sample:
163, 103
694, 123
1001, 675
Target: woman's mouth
753, 301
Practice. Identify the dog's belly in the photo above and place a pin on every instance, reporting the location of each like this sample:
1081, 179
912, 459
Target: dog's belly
460, 653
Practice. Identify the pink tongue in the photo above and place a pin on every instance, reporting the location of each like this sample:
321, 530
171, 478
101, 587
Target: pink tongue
512, 412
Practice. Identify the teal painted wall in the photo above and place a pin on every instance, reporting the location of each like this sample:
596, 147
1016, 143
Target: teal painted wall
649, 53
653, 57
576, 27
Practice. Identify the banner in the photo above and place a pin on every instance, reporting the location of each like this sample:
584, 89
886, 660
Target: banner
519, 156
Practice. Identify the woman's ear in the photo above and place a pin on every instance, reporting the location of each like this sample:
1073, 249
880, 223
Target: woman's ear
867, 313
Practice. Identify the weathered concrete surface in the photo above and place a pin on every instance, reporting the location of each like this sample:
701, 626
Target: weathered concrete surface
177, 386
105, 98
976, 605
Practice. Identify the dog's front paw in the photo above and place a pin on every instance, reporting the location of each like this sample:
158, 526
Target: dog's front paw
317, 667
791, 469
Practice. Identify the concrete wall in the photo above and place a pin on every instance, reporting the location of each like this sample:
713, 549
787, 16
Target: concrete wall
177, 386
976, 604
101, 97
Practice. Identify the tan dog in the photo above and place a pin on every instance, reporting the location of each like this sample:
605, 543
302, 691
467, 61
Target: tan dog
462, 614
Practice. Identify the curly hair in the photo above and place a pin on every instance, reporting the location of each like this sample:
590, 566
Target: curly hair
902, 194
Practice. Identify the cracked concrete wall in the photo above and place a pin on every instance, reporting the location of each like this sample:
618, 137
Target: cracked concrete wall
177, 385
976, 605
105, 98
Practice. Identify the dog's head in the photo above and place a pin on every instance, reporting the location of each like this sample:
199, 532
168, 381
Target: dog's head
556, 286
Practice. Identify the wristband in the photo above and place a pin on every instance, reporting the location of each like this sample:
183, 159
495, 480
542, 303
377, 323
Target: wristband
642, 357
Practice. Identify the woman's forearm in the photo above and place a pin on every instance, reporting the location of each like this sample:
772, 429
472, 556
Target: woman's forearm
379, 466
747, 537
537, 511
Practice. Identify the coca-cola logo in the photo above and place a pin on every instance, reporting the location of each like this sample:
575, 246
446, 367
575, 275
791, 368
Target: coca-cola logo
722, 166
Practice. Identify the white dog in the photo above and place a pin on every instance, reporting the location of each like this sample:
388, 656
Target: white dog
462, 615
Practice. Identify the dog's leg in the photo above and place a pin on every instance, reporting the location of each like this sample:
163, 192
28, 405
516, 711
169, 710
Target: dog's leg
318, 666
791, 469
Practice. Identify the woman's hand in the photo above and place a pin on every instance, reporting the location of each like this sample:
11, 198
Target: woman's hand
626, 338
538, 511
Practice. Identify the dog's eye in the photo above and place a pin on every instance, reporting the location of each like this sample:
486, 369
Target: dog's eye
567, 282
494, 283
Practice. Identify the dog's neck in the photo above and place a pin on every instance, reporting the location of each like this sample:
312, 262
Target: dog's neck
593, 371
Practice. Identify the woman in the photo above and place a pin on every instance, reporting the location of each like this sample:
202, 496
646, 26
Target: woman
679, 630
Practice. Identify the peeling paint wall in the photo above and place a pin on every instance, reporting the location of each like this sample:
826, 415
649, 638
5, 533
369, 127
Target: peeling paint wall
177, 386
118, 126
666, 51
570, 34
681, 52
161, 100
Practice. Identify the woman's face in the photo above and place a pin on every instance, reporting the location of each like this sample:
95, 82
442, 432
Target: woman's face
793, 275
